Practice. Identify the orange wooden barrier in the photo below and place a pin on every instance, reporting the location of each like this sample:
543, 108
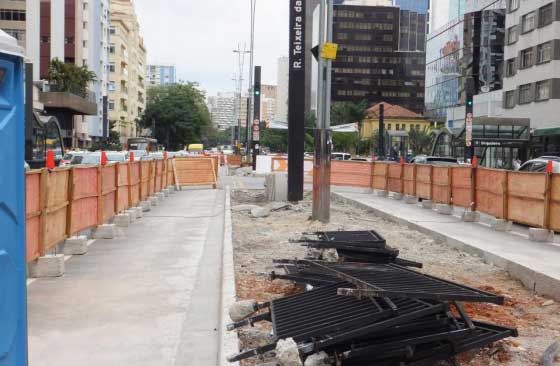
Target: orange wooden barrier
108, 195
441, 184
55, 206
194, 171
135, 171
554, 205
33, 214
234, 160
144, 180
462, 189
491, 192
152, 179
380, 173
84, 200
394, 178
122, 201
526, 198
424, 181
352, 173
409, 178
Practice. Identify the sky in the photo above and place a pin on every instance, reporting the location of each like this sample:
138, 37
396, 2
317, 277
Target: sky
199, 37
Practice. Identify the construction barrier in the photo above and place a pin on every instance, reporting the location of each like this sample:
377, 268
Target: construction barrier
380, 176
409, 178
352, 173
526, 198
193, 171
233, 160
441, 184
491, 191
462, 186
394, 178
65, 201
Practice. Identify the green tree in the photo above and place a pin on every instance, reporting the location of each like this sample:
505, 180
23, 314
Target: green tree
345, 142
276, 140
420, 140
113, 142
348, 112
67, 77
180, 115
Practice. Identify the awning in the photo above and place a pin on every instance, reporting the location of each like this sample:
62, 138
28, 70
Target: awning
350, 127
546, 132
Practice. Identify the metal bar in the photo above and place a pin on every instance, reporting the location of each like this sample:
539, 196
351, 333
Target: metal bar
251, 353
249, 321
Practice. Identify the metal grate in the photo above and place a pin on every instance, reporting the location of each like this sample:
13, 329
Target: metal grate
368, 238
390, 280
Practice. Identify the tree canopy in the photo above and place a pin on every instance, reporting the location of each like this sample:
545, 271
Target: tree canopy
348, 112
179, 113
67, 77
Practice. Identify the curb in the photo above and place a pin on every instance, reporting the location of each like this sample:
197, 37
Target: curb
533, 280
229, 343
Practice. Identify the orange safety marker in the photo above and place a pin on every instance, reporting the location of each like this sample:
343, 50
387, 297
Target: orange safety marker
103, 158
165, 154
131, 156
50, 159
549, 167
402, 160
475, 161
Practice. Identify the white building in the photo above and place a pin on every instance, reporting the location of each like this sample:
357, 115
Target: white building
282, 90
223, 110
161, 74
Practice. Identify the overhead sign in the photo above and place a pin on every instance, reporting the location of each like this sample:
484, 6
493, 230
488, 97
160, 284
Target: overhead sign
329, 51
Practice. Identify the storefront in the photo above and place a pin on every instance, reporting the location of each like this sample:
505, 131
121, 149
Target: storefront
545, 141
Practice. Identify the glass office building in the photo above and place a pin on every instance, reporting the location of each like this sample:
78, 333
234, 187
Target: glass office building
418, 6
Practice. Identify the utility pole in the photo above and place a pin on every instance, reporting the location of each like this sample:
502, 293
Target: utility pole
251, 64
323, 142
256, 115
381, 148
241, 64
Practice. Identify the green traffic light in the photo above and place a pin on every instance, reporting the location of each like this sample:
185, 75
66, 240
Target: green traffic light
257, 92
469, 103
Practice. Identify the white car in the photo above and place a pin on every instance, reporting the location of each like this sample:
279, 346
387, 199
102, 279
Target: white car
539, 164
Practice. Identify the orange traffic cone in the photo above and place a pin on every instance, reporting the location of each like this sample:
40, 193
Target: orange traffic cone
103, 158
549, 167
475, 161
131, 156
50, 159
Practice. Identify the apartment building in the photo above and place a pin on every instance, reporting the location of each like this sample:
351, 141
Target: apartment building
12, 19
223, 109
127, 69
532, 69
282, 90
161, 74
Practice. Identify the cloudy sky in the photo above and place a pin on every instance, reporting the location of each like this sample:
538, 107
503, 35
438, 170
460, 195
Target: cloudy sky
199, 36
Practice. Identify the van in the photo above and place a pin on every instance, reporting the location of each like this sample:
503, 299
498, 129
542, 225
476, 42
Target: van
196, 148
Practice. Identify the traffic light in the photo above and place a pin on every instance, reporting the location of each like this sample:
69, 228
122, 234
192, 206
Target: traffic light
257, 96
469, 101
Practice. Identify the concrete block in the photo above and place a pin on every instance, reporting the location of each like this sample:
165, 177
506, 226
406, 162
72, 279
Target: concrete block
396, 196
47, 266
260, 212
145, 206
381, 193
444, 209
165, 192
122, 220
172, 189
427, 204
276, 186
107, 231
471, 216
131, 214
501, 225
160, 196
138, 211
76, 245
541, 235
411, 200
154, 201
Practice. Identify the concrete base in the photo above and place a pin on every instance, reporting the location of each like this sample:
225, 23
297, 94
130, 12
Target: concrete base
411, 200
47, 266
76, 245
380, 193
541, 235
444, 209
396, 196
137, 212
154, 201
107, 231
145, 206
131, 214
471, 216
172, 189
165, 192
122, 220
427, 204
501, 225
160, 196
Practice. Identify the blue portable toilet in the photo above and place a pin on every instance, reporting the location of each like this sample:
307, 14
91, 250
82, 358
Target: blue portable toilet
13, 315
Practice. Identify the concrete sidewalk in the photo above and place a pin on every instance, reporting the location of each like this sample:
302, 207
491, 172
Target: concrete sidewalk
537, 265
151, 297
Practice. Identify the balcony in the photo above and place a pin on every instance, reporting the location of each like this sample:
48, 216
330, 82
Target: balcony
73, 102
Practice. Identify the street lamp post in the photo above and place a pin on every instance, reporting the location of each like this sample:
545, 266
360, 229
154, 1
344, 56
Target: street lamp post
241, 63
251, 65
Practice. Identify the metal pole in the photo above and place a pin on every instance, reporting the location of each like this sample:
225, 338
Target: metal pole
251, 65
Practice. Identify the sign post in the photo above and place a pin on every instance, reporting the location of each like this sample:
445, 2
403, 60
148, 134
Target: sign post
256, 139
296, 100
469, 118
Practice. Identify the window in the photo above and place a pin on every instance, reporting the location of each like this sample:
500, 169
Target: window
544, 52
112, 48
542, 90
513, 35
510, 99
525, 94
112, 30
342, 36
112, 86
12, 14
111, 67
389, 126
513, 5
510, 67
111, 105
528, 22
545, 15
527, 58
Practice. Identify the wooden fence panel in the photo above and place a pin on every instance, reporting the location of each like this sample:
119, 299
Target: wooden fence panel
196, 171
84, 205
424, 181
152, 182
554, 208
462, 186
351, 173
55, 210
409, 177
234, 160
380, 173
159, 175
123, 179
491, 192
135, 168
33, 214
170, 175
394, 178
441, 184
145, 180
108, 191
526, 198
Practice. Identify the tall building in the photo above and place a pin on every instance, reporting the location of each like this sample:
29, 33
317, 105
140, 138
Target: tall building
12, 19
268, 102
444, 11
223, 109
371, 65
161, 75
282, 91
96, 56
532, 70
127, 69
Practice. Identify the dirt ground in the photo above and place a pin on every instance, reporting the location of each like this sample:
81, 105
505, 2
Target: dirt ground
258, 241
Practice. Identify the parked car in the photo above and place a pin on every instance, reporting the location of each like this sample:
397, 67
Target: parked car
138, 154
539, 164
117, 157
340, 156
67, 158
86, 159
434, 160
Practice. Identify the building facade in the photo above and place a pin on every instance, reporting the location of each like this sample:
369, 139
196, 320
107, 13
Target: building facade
161, 75
370, 64
224, 111
282, 91
12, 19
532, 69
396, 118
127, 70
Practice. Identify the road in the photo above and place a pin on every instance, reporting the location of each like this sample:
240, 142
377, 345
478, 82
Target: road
150, 297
